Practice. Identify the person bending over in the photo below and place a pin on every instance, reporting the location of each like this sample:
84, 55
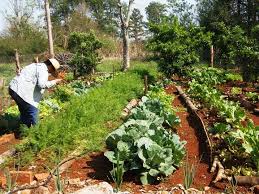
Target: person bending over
28, 86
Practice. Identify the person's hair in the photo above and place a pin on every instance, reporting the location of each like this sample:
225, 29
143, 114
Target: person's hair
47, 62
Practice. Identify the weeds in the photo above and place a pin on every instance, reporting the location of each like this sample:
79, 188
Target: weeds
189, 173
117, 173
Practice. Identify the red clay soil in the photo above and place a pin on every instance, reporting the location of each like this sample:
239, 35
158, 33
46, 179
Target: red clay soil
96, 167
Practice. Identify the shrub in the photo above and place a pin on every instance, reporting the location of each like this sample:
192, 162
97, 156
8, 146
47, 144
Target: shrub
176, 46
84, 46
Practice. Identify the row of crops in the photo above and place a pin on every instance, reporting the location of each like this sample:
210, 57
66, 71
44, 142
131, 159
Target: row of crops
234, 135
146, 143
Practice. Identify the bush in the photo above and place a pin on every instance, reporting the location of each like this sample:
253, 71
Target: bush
176, 46
84, 46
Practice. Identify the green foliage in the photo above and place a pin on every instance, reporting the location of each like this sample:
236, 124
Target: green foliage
212, 98
249, 138
78, 126
105, 13
136, 25
183, 10
236, 90
117, 173
155, 11
233, 77
175, 46
210, 76
158, 92
229, 41
253, 96
84, 46
189, 174
28, 39
144, 145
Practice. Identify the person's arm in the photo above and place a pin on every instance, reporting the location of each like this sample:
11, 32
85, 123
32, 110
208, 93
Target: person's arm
42, 82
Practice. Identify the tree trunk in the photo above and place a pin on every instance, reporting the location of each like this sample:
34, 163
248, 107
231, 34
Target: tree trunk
125, 34
49, 26
126, 56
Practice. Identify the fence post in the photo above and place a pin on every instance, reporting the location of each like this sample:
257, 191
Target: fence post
146, 84
17, 62
211, 56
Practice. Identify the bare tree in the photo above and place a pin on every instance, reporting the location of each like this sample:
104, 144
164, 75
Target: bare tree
49, 27
124, 19
20, 12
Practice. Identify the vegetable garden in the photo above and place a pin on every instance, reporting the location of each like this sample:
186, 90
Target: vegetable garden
183, 118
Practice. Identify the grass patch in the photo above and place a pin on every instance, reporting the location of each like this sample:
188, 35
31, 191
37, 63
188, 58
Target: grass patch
87, 120
7, 71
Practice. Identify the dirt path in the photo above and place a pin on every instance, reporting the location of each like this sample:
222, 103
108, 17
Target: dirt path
196, 154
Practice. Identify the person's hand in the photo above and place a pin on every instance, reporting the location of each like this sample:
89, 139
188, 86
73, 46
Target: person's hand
58, 80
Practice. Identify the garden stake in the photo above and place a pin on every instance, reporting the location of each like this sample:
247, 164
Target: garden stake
146, 84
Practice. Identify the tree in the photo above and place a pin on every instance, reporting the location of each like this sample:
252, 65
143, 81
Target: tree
244, 13
22, 33
124, 19
155, 12
20, 15
176, 46
136, 25
62, 10
183, 10
106, 14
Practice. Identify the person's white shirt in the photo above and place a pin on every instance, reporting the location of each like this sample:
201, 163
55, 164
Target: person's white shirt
31, 82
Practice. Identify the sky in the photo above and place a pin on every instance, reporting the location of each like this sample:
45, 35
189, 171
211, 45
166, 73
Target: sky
140, 4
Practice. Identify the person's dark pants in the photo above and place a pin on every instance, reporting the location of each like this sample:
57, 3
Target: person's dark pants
28, 113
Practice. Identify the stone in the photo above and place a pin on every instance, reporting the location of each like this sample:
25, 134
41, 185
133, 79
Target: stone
76, 182
41, 176
206, 188
26, 191
3, 181
6, 138
41, 190
101, 188
22, 177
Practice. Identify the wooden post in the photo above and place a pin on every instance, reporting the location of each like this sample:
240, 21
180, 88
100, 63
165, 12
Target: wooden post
17, 62
113, 71
146, 84
49, 26
211, 56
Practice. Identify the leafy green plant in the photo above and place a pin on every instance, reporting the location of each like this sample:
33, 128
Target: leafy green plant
144, 145
253, 96
249, 138
236, 90
233, 77
220, 128
212, 98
